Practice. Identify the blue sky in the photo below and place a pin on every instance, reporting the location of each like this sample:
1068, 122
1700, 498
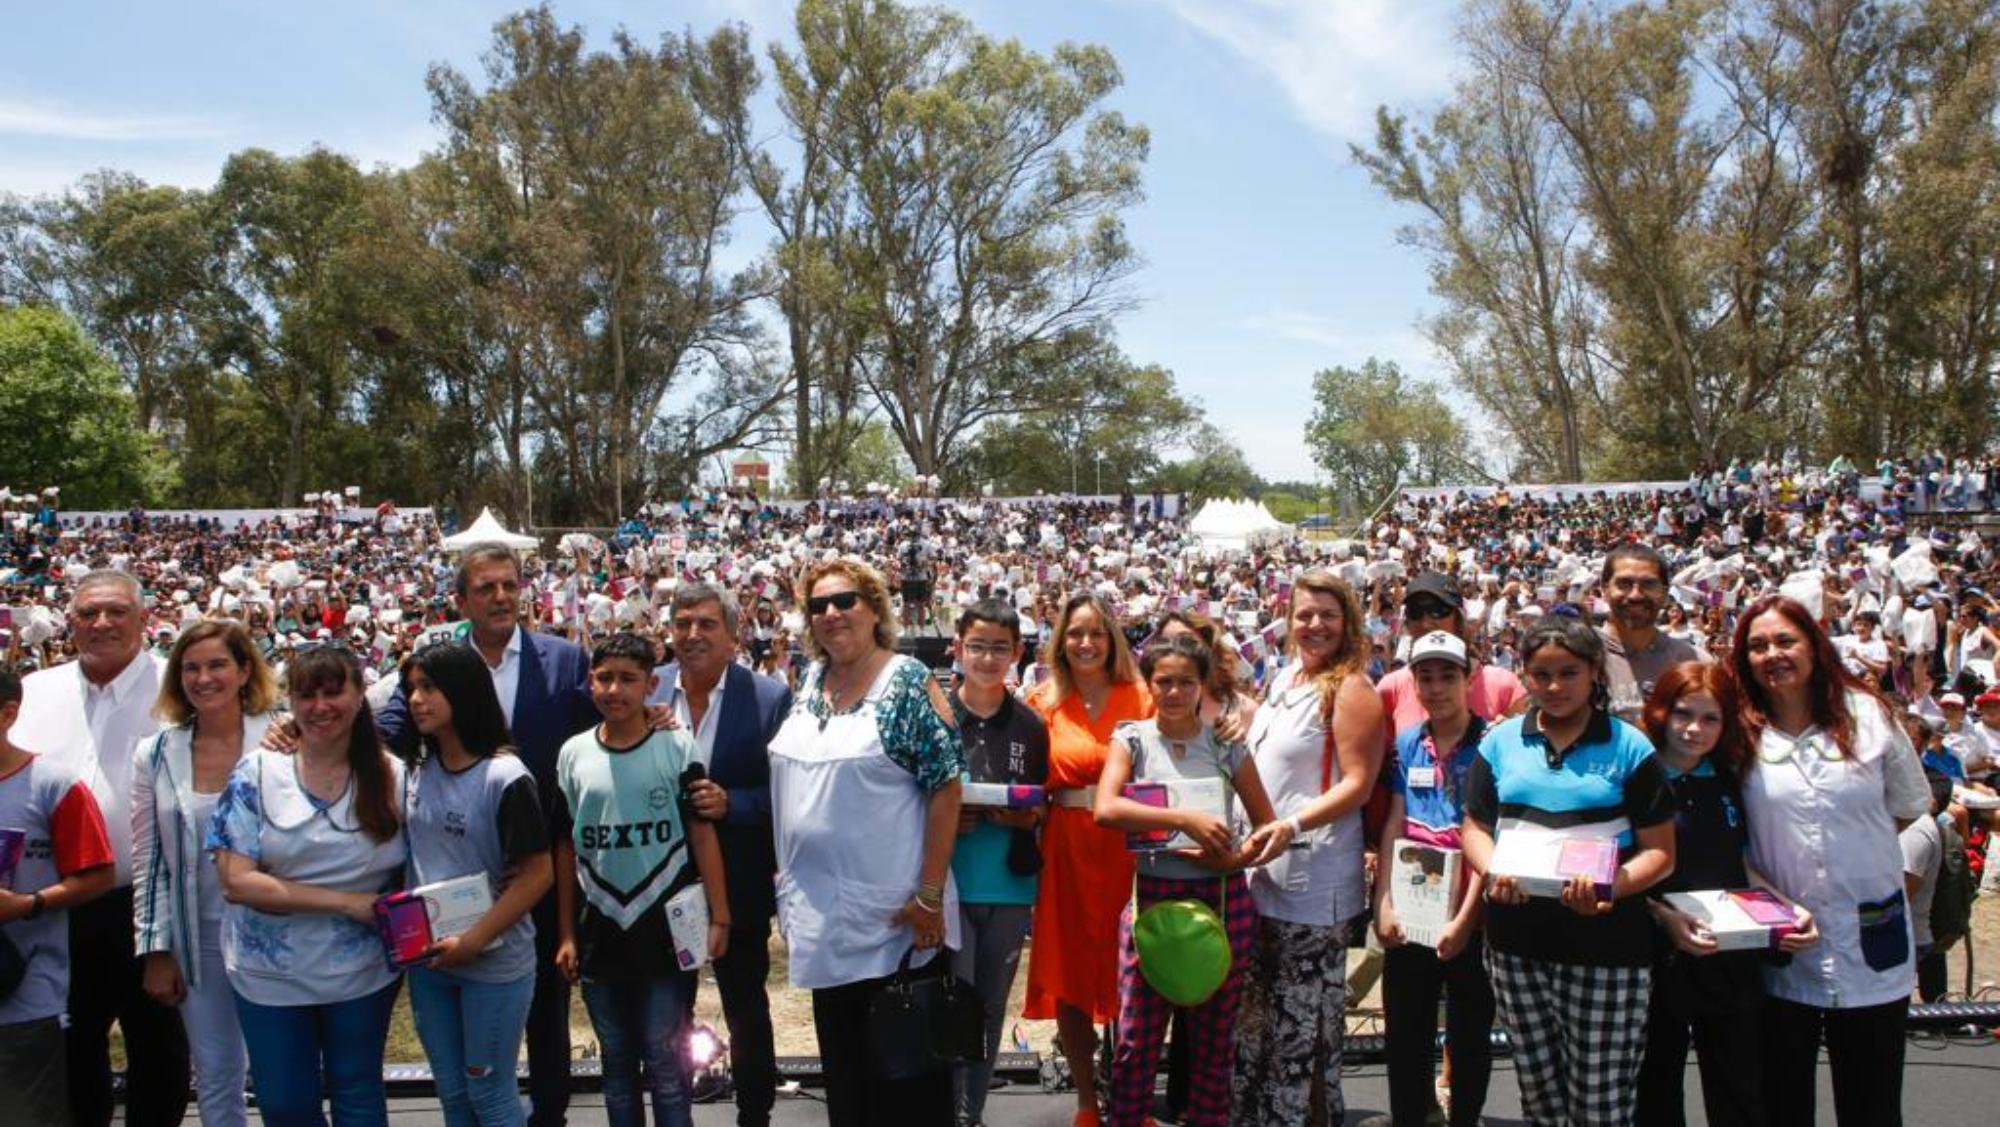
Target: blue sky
1269, 256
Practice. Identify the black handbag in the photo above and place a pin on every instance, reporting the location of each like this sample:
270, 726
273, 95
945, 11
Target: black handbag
924, 1021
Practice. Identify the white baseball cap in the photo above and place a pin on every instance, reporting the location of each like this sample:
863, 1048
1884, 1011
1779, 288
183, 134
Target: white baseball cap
1440, 645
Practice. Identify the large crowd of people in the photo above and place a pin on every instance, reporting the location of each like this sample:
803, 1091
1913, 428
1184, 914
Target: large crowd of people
228, 746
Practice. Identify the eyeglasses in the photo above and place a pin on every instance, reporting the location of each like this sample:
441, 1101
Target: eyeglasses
997, 653
1425, 608
841, 601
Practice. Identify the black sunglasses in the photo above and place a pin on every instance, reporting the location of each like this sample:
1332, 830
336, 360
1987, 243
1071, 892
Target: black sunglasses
844, 601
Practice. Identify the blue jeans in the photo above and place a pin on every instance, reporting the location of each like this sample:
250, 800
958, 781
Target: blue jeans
643, 1021
472, 1034
292, 1047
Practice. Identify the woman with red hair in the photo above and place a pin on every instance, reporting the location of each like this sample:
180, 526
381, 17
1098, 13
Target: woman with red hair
1711, 999
1829, 782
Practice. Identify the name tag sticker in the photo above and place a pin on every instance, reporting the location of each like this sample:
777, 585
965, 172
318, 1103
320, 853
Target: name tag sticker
1423, 778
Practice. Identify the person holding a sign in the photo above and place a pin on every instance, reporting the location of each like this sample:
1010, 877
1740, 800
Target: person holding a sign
1427, 902
474, 814
1579, 793
304, 842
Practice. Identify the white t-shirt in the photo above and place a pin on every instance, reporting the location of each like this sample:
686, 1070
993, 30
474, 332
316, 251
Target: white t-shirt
1923, 850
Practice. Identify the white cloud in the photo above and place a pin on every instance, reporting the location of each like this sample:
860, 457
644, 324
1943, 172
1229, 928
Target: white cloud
1335, 60
51, 121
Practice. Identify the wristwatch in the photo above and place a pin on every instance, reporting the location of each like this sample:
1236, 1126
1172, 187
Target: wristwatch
35, 906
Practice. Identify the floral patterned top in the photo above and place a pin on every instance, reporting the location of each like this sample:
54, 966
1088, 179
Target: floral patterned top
915, 736
308, 958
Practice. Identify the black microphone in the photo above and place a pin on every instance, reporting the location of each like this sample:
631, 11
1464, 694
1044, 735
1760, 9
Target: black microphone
694, 773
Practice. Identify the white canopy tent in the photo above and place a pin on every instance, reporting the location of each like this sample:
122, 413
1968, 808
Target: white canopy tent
1234, 524
488, 530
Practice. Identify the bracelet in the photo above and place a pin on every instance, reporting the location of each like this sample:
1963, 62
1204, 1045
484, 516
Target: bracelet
928, 906
1298, 828
35, 905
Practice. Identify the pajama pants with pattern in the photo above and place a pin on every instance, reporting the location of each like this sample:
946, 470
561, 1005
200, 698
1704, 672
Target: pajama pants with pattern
1294, 1019
1579, 1036
1143, 1016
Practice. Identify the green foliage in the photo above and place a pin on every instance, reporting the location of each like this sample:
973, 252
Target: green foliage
534, 314
1372, 430
1113, 428
1668, 235
65, 419
1213, 466
1289, 507
966, 191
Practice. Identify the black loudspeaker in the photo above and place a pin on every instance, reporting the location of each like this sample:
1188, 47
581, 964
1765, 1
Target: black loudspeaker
935, 653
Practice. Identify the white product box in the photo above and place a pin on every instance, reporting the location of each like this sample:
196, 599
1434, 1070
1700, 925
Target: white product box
455, 905
1211, 796
1543, 863
1423, 887
1011, 796
687, 924
1740, 919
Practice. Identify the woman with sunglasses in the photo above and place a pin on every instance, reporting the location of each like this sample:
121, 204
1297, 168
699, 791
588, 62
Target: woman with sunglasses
304, 842
1832, 781
1087, 875
864, 808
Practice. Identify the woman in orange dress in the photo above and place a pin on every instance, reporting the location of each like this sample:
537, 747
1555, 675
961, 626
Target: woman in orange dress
1093, 687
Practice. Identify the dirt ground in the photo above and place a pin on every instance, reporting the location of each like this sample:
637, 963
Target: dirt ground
791, 1010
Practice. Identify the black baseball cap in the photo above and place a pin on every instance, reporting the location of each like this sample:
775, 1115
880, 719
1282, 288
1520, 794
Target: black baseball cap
1438, 586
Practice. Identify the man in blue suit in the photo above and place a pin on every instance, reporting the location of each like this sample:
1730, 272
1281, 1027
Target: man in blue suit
544, 687
733, 713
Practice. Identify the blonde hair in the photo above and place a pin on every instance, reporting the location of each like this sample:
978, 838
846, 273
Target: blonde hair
260, 691
868, 582
1353, 652
1061, 677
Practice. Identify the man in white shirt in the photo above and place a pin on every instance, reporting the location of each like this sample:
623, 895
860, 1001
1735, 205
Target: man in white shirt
91, 713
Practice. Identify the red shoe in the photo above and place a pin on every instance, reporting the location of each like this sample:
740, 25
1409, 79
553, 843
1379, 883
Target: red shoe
1085, 1117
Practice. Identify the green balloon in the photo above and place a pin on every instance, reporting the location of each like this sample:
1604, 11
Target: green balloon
1183, 950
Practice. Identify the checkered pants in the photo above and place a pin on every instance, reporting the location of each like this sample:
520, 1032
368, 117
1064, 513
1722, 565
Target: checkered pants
1143, 1016
1579, 1035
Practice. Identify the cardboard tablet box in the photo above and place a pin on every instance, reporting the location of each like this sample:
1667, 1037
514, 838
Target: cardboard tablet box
687, 925
412, 922
1207, 795
1542, 863
1747, 919
1009, 796
1423, 887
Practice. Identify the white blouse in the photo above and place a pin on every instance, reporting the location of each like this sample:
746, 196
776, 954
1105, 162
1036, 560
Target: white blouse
1318, 880
1823, 831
